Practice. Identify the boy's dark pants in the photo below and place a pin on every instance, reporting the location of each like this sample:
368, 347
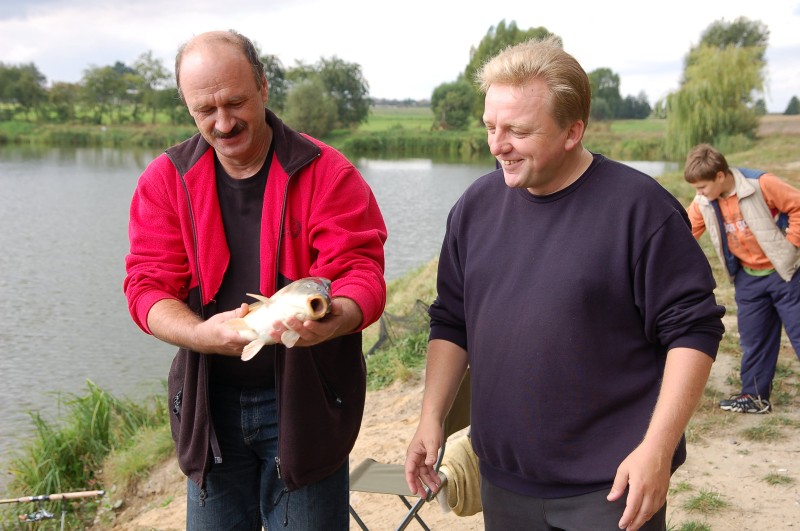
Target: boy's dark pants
764, 304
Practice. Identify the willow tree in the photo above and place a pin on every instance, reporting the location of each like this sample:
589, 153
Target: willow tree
722, 78
716, 99
741, 33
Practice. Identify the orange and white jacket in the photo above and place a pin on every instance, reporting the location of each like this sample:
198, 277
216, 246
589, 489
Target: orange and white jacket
751, 222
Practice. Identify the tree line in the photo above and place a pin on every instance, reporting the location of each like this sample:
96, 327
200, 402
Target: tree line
720, 94
457, 105
316, 98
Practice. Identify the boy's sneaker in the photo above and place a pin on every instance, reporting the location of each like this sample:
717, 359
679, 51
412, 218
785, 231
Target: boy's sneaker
745, 404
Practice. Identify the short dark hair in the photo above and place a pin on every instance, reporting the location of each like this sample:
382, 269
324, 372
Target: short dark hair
703, 163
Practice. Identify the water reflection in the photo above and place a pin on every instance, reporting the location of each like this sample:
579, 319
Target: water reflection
415, 196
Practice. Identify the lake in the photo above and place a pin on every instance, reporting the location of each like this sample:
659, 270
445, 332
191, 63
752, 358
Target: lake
63, 316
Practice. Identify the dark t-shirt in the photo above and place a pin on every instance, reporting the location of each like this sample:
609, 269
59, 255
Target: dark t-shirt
242, 202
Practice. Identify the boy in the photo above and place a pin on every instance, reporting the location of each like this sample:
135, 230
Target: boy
753, 219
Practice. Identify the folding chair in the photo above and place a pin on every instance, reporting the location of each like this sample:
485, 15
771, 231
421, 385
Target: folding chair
385, 478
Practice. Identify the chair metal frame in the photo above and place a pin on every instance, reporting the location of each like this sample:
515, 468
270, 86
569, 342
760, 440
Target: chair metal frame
391, 477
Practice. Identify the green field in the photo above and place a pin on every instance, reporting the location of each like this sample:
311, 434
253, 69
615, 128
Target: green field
386, 118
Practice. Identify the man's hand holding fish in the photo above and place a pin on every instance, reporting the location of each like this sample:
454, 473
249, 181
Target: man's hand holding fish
344, 317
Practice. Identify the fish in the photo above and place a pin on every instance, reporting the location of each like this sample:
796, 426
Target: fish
306, 299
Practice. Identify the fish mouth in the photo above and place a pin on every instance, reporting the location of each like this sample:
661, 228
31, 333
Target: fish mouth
318, 306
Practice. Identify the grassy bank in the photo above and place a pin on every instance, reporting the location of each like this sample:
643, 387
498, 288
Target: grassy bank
107, 443
394, 132
68, 454
79, 135
391, 132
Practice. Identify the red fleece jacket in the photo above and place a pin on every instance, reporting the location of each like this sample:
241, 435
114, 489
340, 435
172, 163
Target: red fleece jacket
332, 227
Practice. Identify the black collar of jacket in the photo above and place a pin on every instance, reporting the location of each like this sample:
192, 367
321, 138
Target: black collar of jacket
293, 150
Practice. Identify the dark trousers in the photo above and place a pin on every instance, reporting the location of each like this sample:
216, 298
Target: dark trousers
504, 510
764, 304
244, 492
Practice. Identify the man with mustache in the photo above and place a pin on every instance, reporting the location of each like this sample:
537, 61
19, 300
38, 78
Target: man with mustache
248, 205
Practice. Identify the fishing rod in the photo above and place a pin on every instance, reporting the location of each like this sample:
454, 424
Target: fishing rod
43, 514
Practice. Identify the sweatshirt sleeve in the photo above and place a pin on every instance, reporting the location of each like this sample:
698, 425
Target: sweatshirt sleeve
447, 312
782, 197
679, 310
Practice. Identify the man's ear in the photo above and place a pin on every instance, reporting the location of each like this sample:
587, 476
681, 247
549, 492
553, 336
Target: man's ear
574, 135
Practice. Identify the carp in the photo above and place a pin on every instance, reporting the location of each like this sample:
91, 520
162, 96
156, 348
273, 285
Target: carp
305, 299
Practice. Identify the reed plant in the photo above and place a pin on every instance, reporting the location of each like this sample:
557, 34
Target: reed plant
67, 454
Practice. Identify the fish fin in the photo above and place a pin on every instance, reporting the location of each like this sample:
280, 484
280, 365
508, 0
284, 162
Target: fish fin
252, 348
260, 298
289, 338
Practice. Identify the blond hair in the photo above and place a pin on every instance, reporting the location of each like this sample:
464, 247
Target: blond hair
545, 59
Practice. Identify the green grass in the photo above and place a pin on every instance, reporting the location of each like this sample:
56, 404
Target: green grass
402, 356
125, 465
650, 125
778, 479
67, 455
683, 486
691, 526
706, 501
402, 359
387, 118
771, 428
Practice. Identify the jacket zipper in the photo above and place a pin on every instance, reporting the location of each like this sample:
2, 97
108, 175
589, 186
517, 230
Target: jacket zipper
277, 347
276, 287
216, 453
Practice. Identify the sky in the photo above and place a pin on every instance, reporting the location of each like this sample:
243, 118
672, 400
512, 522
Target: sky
406, 49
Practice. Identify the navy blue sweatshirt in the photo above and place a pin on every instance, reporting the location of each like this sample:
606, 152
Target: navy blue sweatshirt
567, 305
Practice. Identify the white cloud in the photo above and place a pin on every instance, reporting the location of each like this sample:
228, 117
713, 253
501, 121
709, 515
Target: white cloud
404, 51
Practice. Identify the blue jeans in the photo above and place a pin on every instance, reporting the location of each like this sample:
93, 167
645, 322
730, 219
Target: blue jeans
243, 492
764, 304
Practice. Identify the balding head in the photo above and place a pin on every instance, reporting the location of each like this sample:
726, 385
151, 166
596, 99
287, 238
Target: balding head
214, 39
